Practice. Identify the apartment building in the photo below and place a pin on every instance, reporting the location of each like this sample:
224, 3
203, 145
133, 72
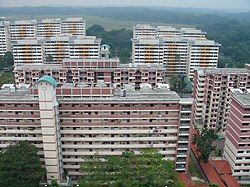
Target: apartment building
85, 47
167, 31
72, 121
28, 51
212, 94
12, 32
175, 55
192, 33
237, 144
89, 71
148, 50
57, 47
5, 44
24, 29
49, 27
143, 30
77, 47
202, 53
180, 50
74, 26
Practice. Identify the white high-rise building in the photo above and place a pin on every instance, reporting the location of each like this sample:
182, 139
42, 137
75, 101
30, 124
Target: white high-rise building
24, 29
167, 31
58, 47
49, 27
74, 26
175, 55
183, 49
148, 50
5, 44
202, 53
87, 47
143, 30
28, 51
192, 33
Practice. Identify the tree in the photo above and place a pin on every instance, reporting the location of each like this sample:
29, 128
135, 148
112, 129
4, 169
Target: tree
54, 183
129, 170
49, 58
7, 78
178, 84
204, 139
6, 61
213, 185
118, 40
20, 166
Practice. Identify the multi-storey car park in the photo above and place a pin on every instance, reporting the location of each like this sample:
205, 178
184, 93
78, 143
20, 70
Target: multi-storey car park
237, 145
212, 94
71, 121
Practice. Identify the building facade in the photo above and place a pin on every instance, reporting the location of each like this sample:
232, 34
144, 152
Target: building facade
237, 145
180, 50
69, 122
212, 94
74, 26
143, 30
49, 27
13, 31
148, 50
202, 53
57, 48
89, 71
24, 29
28, 51
5, 44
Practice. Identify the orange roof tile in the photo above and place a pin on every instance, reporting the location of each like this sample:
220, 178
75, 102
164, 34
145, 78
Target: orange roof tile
211, 174
230, 180
221, 166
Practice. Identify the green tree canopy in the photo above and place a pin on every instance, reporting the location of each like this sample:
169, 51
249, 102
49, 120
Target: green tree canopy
20, 166
118, 40
180, 84
49, 58
129, 170
6, 61
204, 141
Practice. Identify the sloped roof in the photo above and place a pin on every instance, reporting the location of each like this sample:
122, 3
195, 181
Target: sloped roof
48, 79
229, 180
221, 166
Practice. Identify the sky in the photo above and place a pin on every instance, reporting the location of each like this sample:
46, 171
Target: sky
210, 4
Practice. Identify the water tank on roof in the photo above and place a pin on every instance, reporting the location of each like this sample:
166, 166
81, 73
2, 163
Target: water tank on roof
105, 51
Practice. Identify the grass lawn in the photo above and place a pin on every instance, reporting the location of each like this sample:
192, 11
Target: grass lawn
7, 78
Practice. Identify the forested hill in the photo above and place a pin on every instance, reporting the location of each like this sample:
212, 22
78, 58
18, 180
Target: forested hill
232, 30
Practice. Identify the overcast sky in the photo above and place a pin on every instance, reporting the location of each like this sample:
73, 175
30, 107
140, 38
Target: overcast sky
211, 4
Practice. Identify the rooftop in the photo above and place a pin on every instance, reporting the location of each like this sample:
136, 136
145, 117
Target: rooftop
221, 166
20, 95
243, 98
222, 71
128, 94
49, 80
